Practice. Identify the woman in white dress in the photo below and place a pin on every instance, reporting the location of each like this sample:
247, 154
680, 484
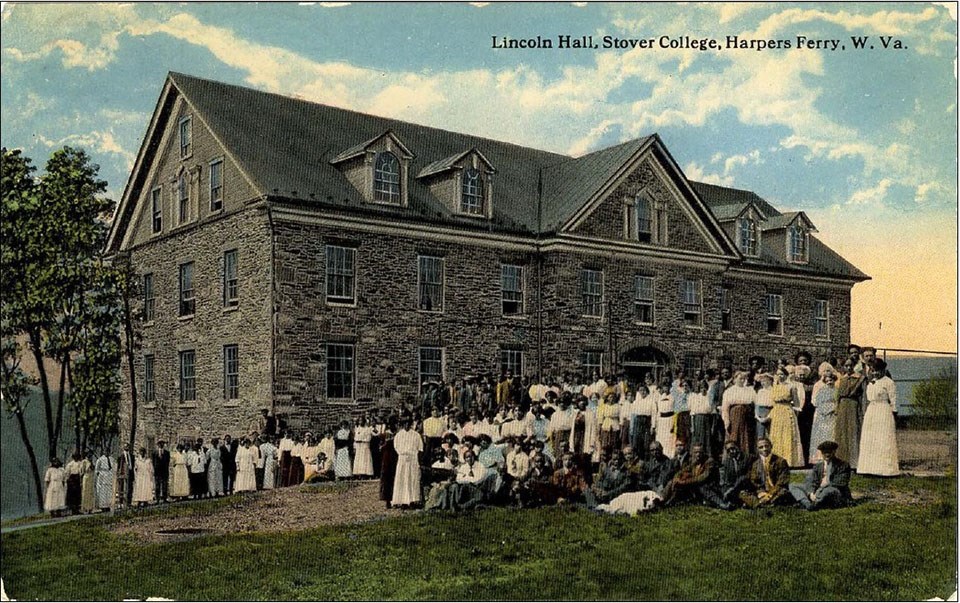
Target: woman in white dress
180, 476
406, 484
105, 477
342, 466
362, 457
664, 422
824, 401
143, 479
55, 497
878, 438
214, 469
246, 468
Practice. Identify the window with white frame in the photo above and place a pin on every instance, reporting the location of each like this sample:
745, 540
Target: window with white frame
774, 314
591, 361
231, 372
341, 274
156, 209
643, 222
431, 364
511, 361
216, 185
511, 278
821, 318
643, 299
430, 283
149, 385
591, 292
231, 284
798, 240
726, 314
188, 376
149, 299
340, 370
183, 197
692, 302
386, 178
748, 239
186, 137
187, 300
471, 192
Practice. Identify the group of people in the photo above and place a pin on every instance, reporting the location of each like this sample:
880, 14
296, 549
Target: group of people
721, 437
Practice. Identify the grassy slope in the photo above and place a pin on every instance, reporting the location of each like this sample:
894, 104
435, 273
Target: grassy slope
870, 552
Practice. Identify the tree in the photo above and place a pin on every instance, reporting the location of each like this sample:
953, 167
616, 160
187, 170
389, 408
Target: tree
935, 400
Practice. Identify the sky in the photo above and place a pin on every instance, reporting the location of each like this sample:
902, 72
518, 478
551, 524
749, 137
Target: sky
862, 140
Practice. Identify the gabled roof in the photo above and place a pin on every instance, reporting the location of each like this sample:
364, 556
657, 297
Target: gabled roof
722, 196
727, 213
785, 220
447, 163
360, 149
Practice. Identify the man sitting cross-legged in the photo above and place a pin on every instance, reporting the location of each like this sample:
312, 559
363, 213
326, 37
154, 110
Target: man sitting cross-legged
769, 479
828, 484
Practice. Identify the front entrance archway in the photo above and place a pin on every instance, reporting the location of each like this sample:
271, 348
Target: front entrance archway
640, 361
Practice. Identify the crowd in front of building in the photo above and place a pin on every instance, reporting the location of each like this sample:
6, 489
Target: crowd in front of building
722, 438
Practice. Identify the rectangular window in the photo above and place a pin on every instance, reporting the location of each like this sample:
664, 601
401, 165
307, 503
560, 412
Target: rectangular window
692, 362
726, 316
216, 185
186, 137
591, 290
431, 364
511, 361
748, 236
156, 209
183, 197
341, 270
511, 278
340, 370
187, 301
188, 376
149, 389
231, 287
430, 281
591, 362
149, 300
774, 314
643, 299
798, 244
821, 318
231, 372
692, 303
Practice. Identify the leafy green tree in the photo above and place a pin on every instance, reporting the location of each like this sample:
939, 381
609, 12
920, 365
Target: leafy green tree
935, 400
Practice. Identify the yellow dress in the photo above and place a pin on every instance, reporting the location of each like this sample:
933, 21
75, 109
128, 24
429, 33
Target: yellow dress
784, 428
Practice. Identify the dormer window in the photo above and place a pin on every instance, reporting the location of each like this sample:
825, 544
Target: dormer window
471, 193
386, 178
798, 244
646, 220
748, 239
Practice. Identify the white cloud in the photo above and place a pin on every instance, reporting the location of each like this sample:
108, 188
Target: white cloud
95, 141
694, 171
874, 195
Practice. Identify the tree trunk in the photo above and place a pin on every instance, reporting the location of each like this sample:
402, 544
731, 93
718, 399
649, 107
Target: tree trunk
61, 397
129, 337
37, 483
35, 344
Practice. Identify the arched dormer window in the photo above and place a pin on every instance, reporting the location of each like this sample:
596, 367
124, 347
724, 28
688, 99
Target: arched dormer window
798, 244
386, 178
748, 238
471, 193
646, 219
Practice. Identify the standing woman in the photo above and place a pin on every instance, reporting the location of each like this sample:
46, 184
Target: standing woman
55, 497
105, 477
701, 417
296, 461
362, 458
641, 422
804, 377
246, 468
847, 434
74, 470
784, 429
764, 403
143, 485
738, 414
388, 462
268, 454
286, 445
878, 442
406, 485
214, 469
342, 466
88, 496
608, 419
825, 415
664, 425
180, 487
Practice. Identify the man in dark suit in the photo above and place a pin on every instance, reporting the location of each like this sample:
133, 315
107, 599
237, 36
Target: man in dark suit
769, 479
656, 471
125, 475
734, 472
228, 459
828, 485
161, 470
697, 481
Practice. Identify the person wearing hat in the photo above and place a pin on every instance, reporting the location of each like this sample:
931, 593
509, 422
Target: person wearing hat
828, 484
161, 471
757, 364
878, 437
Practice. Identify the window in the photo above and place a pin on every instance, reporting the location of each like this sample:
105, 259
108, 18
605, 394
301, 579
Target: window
511, 361
591, 289
149, 300
644, 220
692, 303
821, 318
188, 376
431, 283
431, 364
591, 362
183, 197
231, 288
692, 362
187, 301
643, 299
512, 290
156, 209
747, 240
798, 239
216, 185
774, 314
186, 137
339, 370
149, 389
231, 372
471, 194
341, 262
386, 178
726, 317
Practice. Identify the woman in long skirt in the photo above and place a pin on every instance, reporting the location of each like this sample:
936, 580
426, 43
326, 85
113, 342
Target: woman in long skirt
824, 415
388, 463
664, 428
143, 486
214, 469
106, 475
764, 404
641, 422
701, 416
246, 468
88, 495
784, 428
180, 476
847, 434
738, 414
406, 486
268, 452
296, 461
74, 470
362, 457
55, 496
342, 466
878, 442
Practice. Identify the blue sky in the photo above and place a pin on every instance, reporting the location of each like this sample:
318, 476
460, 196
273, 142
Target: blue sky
863, 141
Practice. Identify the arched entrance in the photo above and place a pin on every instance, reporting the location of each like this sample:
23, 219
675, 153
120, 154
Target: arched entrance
637, 362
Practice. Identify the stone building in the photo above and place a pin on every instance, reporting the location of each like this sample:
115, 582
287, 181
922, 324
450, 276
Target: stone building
317, 260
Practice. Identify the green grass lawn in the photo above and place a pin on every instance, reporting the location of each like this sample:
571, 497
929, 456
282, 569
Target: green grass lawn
872, 551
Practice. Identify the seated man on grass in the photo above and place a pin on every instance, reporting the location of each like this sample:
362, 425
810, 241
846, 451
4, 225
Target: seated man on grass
610, 482
569, 481
657, 470
828, 484
734, 472
697, 481
769, 479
